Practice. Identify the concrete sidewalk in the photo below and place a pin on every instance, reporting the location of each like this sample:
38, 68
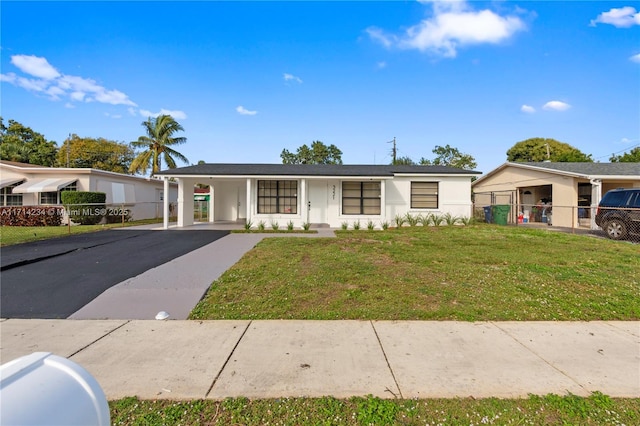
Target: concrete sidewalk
405, 359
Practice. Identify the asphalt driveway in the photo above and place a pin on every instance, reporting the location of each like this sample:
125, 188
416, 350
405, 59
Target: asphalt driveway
54, 278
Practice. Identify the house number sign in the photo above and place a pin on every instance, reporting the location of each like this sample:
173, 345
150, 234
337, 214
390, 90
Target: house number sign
333, 192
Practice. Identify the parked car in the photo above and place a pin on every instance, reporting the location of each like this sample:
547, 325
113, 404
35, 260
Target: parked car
618, 213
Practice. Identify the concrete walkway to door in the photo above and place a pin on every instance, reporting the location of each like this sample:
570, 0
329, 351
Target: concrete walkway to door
177, 286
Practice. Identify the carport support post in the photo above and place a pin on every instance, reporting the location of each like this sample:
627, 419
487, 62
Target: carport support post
165, 204
211, 203
249, 209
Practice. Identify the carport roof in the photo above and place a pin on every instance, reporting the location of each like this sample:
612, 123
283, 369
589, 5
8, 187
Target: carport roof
219, 169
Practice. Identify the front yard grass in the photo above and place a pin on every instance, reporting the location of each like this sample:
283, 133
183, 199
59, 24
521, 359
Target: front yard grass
10, 235
467, 273
598, 409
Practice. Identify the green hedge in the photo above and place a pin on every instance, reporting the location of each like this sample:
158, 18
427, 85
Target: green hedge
84, 207
31, 215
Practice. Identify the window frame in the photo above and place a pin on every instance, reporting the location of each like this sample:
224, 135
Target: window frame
8, 195
365, 202
46, 197
427, 194
281, 195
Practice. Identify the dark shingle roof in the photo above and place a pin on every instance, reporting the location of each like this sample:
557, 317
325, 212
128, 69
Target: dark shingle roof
591, 169
308, 170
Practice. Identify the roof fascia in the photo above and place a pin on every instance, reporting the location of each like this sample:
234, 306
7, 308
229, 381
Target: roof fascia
282, 177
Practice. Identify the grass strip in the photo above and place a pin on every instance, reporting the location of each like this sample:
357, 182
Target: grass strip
597, 409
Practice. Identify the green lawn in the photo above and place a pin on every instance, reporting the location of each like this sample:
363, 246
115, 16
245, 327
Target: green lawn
598, 409
22, 234
469, 273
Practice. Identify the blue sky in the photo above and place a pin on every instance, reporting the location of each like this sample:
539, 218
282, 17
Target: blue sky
247, 79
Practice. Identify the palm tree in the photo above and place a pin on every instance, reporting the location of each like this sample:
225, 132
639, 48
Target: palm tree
157, 143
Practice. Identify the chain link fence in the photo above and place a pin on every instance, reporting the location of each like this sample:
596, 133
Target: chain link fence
27, 223
613, 223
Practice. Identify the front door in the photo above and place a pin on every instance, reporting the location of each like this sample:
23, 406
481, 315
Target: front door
317, 204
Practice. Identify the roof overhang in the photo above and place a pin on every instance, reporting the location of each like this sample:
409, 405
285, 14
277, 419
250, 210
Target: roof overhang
43, 185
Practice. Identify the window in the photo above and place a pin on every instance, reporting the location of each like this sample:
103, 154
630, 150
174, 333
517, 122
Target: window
277, 196
53, 197
360, 197
424, 195
9, 198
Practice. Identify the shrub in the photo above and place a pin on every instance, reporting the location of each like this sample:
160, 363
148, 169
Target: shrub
384, 225
450, 219
400, 220
248, 224
370, 225
261, 225
84, 207
31, 215
344, 226
290, 225
306, 226
275, 226
356, 225
412, 220
426, 220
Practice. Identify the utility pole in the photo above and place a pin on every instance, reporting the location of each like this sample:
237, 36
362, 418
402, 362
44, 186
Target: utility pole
393, 150
68, 149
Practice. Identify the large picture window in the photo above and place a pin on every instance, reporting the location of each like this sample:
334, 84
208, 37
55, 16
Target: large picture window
277, 196
361, 198
424, 195
9, 198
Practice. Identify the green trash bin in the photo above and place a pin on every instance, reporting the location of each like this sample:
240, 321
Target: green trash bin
500, 213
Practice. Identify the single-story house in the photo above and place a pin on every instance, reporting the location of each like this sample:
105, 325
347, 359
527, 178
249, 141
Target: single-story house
321, 194
32, 185
568, 192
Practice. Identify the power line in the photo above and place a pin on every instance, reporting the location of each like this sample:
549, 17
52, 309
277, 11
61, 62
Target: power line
614, 153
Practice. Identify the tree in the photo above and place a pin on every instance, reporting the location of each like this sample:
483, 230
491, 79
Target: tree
541, 149
157, 145
452, 157
100, 153
632, 156
407, 161
318, 153
20, 143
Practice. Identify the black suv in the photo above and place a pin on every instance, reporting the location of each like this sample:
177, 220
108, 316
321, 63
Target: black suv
619, 213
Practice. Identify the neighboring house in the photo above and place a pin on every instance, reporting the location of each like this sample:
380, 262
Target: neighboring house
32, 185
322, 194
572, 190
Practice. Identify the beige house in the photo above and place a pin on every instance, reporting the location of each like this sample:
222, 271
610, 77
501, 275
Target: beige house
560, 194
31, 185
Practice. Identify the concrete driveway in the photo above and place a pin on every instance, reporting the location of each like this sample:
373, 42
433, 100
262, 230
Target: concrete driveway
55, 278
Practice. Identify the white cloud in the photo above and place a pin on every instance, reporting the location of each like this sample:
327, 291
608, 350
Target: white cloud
528, 109
290, 77
556, 106
381, 64
243, 111
635, 58
623, 17
178, 115
57, 86
378, 35
453, 25
35, 66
